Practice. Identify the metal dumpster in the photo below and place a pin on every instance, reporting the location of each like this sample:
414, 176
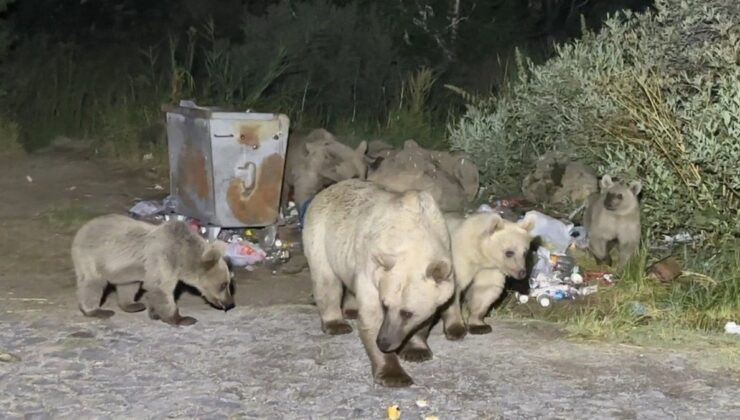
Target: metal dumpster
226, 168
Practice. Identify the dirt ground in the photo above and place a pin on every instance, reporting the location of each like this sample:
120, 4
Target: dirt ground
267, 358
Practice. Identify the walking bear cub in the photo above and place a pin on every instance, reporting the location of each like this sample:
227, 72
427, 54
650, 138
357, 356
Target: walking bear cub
392, 252
485, 250
132, 254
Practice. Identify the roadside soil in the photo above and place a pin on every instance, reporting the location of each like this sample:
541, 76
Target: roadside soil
267, 358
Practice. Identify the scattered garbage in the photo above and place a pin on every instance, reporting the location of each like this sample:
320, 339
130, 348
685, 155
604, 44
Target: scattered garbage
243, 253
152, 208
246, 247
680, 238
146, 209
638, 309
508, 203
28, 178
665, 270
8, 357
394, 413
422, 403
555, 275
555, 233
732, 328
545, 295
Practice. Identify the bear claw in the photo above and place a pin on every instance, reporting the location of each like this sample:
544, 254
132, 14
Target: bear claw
336, 328
416, 355
455, 332
479, 329
393, 378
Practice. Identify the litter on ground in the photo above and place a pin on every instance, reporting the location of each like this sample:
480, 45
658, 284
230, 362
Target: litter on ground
732, 328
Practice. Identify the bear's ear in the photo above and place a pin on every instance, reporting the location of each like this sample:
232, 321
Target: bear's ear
493, 223
439, 270
385, 261
635, 187
312, 147
361, 148
374, 163
410, 144
210, 257
528, 222
606, 182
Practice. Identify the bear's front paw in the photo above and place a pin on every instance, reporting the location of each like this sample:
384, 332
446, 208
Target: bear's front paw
455, 332
336, 328
480, 329
416, 354
393, 378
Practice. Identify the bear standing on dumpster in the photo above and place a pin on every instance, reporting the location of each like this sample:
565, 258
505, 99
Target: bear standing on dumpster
132, 254
392, 252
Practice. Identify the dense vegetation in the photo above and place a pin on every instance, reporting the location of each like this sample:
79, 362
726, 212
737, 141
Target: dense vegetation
655, 97
99, 69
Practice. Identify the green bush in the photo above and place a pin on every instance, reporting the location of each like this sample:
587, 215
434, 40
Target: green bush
653, 96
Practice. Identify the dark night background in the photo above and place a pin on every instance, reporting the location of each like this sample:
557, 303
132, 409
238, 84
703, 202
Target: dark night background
100, 68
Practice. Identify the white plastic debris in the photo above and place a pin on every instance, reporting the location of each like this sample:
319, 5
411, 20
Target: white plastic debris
28, 178
542, 269
146, 208
245, 253
576, 278
422, 404
732, 328
484, 208
8, 358
588, 290
553, 231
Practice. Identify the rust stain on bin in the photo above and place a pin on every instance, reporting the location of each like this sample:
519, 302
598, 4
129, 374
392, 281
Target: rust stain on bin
258, 205
249, 135
193, 176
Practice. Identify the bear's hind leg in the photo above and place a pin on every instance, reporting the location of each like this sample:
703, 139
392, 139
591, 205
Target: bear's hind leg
89, 296
126, 294
486, 288
327, 291
349, 305
162, 306
454, 327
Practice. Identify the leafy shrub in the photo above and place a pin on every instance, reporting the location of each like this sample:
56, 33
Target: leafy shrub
652, 96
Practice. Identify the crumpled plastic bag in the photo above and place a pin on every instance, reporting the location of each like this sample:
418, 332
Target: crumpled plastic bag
555, 233
243, 253
146, 208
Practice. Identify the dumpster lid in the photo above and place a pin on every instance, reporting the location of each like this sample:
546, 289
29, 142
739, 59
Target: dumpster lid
190, 109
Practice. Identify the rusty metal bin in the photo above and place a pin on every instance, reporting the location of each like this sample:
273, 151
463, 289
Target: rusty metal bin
226, 168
